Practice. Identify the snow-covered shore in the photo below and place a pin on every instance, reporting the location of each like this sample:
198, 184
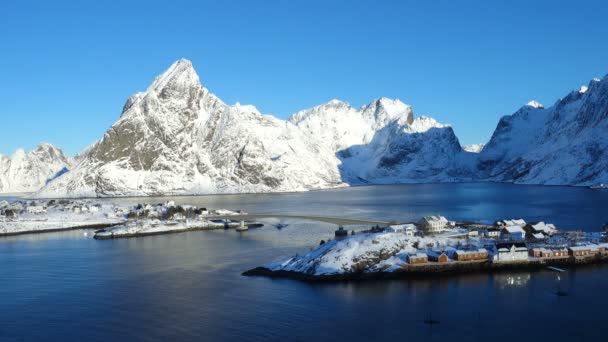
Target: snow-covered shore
135, 229
392, 255
24, 217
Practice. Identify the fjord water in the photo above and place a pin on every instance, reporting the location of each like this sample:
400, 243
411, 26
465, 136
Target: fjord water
67, 286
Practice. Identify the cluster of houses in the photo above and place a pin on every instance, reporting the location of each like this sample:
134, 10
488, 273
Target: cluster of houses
36, 210
14, 209
516, 230
505, 241
505, 252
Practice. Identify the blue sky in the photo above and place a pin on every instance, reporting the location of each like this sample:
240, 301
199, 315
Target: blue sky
68, 67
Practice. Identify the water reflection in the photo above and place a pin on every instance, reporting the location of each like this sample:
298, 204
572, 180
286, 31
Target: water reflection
508, 280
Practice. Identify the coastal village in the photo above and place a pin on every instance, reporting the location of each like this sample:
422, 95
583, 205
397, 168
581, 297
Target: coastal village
504, 241
436, 245
432, 243
112, 220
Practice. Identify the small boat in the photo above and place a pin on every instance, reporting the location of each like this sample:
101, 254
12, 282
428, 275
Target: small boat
281, 226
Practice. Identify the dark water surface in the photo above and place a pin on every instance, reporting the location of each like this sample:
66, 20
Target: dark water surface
67, 286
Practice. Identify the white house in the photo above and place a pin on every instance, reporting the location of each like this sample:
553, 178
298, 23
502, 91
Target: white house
179, 217
433, 224
36, 209
492, 233
511, 251
506, 223
408, 229
534, 229
16, 206
513, 233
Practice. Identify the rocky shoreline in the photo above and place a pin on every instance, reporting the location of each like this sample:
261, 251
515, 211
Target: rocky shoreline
435, 269
54, 230
160, 232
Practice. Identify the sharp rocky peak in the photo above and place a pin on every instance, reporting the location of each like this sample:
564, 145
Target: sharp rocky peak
382, 110
179, 73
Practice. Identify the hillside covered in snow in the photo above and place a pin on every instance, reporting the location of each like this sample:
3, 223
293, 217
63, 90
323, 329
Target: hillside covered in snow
563, 144
177, 137
29, 171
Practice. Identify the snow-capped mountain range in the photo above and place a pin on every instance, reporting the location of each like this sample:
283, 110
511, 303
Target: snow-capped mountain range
178, 138
563, 144
29, 171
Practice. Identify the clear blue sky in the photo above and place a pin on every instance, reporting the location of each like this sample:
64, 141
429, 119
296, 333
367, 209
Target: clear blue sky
68, 67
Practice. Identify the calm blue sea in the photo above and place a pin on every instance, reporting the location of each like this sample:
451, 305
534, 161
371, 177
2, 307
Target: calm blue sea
183, 287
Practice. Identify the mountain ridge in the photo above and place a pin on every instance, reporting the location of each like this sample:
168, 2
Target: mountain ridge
177, 137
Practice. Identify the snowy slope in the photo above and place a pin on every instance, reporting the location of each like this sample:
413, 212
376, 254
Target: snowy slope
178, 138
382, 252
29, 171
563, 144
473, 148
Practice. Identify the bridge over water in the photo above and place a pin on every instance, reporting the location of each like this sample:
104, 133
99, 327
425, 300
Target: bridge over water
341, 221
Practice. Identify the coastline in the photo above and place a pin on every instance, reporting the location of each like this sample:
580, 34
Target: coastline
125, 235
32, 195
61, 229
435, 269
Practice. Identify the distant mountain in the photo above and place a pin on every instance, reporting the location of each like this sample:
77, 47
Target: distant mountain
473, 148
29, 171
563, 144
178, 138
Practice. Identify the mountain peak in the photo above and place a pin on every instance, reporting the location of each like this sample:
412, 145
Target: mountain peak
384, 110
535, 104
179, 75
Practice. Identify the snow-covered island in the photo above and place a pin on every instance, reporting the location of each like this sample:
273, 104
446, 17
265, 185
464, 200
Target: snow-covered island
435, 246
170, 218
111, 220
24, 217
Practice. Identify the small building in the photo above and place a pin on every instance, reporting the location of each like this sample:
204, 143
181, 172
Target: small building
478, 254
178, 217
540, 252
36, 209
507, 223
15, 207
417, 258
511, 251
408, 229
560, 252
602, 247
341, 232
578, 251
438, 256
396, 228
538, 229
433, 224
492, 233
513, 233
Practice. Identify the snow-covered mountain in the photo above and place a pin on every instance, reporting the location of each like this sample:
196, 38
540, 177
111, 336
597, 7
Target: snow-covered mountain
29, 171
473, 148
178, 138
563, 144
